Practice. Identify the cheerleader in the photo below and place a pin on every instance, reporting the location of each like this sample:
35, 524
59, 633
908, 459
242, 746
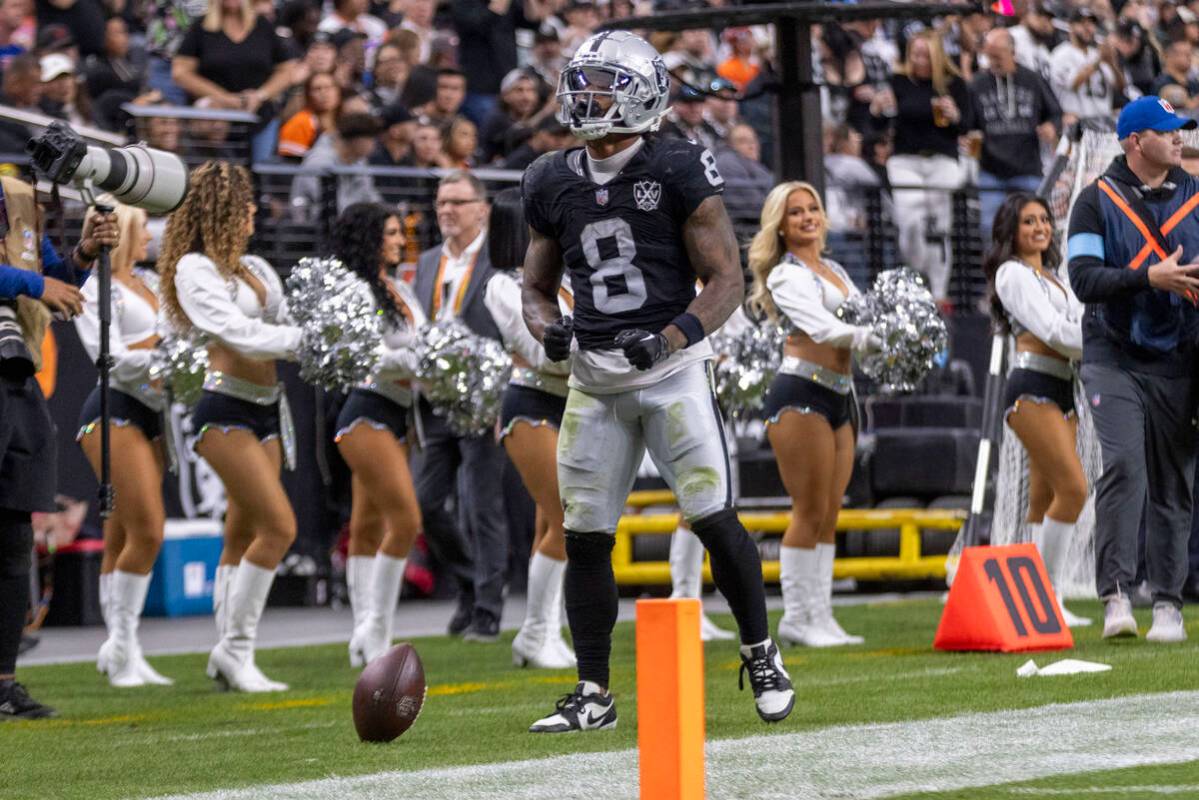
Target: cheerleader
133, 533
810, 407
372, 430
242, 422
529, 420
1036, 305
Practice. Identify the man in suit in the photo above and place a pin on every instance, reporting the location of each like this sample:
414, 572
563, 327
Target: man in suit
450, 279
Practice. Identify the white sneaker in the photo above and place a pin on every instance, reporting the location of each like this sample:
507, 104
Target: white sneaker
1071, 619
1167, 624
709, 631
587, 708
768, 678
1117, 617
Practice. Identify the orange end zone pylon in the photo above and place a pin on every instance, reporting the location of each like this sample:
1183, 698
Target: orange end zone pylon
670, 699
1001, 599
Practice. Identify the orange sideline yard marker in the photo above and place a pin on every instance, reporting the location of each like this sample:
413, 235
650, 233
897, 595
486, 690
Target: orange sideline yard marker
1002, 600
670, 699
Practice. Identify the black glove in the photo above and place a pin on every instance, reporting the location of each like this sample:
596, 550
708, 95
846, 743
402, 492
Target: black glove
642, 348
556, 339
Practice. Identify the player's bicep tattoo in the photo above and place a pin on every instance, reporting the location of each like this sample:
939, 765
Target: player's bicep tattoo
539, 286
712, 247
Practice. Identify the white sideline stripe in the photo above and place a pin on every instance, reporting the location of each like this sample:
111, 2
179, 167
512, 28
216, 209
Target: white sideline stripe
851, 761
1191, 789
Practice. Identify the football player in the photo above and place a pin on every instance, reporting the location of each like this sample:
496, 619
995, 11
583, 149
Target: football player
636, 218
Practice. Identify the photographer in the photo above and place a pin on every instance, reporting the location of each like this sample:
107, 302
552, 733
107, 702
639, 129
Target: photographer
35, 282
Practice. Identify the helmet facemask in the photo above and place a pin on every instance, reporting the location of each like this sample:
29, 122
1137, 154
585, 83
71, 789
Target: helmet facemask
585, 89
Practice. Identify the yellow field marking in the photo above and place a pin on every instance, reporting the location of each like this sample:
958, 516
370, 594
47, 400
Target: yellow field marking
888, 652
310, 702
448, 689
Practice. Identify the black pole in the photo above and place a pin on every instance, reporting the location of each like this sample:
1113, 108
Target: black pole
800, 142
104, 364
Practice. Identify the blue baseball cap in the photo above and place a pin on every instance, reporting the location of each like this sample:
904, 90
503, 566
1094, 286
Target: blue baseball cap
1150, 113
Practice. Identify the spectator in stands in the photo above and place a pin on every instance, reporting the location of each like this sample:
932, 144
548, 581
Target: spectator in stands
1035, 39
426, 147
968, 33
932, 109
348, 145
1139, 360
209, 138
581, 19
114, 71
1177, 96
421, 84
83, 18
1178, 68
487, 46
169, 21
322, 98
1015, 110
847, 178
352, 14
720, 107
22, 86
449, 99
299, 21
389, 73
350, 65
546, 59
548, 136
744, 64
418, 18
459, 142
512, 122
162, 133
60, 90
321, 56
1138, 55
690, 59
16, 29
746, 181
686, 119
1086, 78
395, 142
235, 58
877, 61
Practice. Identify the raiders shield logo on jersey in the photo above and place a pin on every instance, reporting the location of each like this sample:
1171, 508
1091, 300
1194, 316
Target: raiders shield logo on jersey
647, 194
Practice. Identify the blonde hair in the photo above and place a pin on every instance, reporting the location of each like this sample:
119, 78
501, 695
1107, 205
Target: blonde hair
129, 224
942, 68
768, 246
214, 19
214, 220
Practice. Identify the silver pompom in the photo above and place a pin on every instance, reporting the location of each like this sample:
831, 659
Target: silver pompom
463, 376
904, 316
341, 327
181, 362
745, 366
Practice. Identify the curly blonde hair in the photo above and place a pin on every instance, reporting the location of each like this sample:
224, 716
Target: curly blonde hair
768, 246
214, 220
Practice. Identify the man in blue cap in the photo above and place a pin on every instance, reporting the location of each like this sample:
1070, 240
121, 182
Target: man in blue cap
1133, 254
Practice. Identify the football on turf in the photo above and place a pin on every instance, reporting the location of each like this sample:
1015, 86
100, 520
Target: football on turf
389, 694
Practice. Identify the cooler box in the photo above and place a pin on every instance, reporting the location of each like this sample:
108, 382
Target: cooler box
186, 568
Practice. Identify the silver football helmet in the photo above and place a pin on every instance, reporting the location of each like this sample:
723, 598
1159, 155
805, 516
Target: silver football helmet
625, 69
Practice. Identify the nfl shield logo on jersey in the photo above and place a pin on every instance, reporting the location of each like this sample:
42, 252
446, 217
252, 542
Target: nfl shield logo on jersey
601, 196
647, 194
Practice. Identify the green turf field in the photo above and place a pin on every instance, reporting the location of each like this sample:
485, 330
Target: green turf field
110, 743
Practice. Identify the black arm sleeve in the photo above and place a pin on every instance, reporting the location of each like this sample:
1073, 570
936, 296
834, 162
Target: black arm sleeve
1092, 278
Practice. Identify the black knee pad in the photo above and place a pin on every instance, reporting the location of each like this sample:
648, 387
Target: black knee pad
588, 547
16, 547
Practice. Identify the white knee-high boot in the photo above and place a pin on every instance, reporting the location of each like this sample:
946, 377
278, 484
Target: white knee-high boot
232, 660
687, 578
222, 585
359, 572
102, 657
827, 555
1054, 546
800, 578
387, 578
537, 642
127, 666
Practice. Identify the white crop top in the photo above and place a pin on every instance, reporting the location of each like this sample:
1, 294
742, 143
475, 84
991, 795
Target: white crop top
503, 299
397, 354
134, 320
810, 302
1046, 309
227, 309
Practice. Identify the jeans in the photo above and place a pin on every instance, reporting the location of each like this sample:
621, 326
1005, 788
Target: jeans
992, 191
158, 76
478, 107
923, 189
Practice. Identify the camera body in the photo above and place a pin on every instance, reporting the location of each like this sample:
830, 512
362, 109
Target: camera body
136, 175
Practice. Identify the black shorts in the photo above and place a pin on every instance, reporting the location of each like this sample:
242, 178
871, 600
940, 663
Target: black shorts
1027, 384
522, 403
801, 394
228, 413
123, 409
374, 409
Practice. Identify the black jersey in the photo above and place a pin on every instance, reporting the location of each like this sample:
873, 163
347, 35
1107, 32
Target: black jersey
622, 242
